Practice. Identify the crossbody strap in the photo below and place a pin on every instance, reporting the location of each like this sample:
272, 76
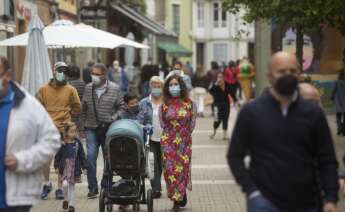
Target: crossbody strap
94, 104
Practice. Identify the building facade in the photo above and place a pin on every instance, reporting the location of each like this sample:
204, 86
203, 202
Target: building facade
178, 18
216, 35
7, 26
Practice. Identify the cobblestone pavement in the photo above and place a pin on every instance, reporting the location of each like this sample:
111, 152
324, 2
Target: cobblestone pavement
214, 188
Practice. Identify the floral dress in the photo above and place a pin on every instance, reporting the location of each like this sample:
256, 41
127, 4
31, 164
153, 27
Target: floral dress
178, 121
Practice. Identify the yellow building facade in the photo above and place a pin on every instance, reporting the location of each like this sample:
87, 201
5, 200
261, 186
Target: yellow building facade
179, 20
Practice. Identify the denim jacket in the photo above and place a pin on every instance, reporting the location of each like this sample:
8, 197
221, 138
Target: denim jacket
145, 111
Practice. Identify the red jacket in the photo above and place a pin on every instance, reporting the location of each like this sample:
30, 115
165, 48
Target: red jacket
230, 75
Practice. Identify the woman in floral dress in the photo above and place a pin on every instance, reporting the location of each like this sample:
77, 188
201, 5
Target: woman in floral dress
177, 117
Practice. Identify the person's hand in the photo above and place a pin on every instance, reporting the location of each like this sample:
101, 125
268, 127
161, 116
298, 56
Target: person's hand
342, 186
330, 207
11, 162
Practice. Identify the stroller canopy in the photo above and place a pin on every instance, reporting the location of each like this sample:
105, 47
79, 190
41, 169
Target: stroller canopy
126, 127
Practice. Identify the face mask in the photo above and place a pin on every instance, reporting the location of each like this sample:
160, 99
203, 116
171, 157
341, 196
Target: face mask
156, 92
286, 85
134, 109
96, 80
60, 77
175, 90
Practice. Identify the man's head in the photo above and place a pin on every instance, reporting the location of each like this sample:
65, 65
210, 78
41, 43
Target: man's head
116, 64
60, 72
309, 93
283, 71
177, 65
5, 76
99, 74
74, 72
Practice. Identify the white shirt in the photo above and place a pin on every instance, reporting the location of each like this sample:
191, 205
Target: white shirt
157, 130
101, 90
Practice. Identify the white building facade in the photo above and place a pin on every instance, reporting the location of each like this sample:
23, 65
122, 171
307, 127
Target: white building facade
216, 35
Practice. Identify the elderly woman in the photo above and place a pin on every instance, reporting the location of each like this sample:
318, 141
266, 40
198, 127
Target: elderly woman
149, 115
177, 117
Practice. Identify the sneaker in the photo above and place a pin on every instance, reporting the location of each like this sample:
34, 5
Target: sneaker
65, 205
123, 207
92, 194
45, 192
156, 195
176, 207
71, 209
59, 194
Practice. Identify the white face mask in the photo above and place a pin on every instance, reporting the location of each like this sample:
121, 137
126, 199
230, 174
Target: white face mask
96, 80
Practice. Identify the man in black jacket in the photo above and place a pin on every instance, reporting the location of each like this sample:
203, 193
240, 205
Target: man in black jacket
292, 167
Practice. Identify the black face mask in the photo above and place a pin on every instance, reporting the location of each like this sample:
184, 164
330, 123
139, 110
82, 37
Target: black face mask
286, 85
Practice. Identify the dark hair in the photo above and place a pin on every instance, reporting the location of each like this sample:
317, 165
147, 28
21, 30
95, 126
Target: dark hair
74, 72
90, 63
166, 93
177, 63
5, 63
232, 64
214, 65
101, 67
128, 97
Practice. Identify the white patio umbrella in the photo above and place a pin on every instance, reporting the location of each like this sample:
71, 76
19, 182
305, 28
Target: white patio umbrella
65, 34
37, 68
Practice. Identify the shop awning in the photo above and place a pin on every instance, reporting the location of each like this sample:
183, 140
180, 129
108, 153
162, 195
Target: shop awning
175, 49
143, 20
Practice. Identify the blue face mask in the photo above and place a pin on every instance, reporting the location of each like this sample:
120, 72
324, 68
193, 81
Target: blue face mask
156, 92
60, 77
175, 90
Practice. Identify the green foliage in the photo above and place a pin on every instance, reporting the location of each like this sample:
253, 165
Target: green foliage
304, 14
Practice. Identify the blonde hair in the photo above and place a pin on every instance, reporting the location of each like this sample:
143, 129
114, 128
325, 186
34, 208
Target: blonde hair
156, 79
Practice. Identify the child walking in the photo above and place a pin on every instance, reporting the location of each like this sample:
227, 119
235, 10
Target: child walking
69, 162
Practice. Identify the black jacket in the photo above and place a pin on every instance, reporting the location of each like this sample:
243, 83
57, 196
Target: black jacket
81, 162
289, 155
220, 97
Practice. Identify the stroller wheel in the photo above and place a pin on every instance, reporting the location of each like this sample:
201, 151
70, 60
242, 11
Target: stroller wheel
149, 201
102, 201
109, 207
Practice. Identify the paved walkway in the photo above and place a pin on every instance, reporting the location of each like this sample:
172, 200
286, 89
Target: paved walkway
214, 188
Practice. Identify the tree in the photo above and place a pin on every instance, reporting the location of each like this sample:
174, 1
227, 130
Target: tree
302, 15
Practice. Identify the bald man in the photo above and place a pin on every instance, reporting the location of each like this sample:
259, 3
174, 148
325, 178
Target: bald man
289, 143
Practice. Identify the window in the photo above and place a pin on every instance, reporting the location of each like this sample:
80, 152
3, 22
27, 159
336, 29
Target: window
224, 18
201, 14
176, 18
220, 52
216, 15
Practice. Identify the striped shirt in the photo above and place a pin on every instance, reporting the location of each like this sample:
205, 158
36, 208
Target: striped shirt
108, 106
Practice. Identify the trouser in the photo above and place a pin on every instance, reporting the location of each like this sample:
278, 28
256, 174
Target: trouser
92, 146
233, 91
222, 116
262, 204
69, 191
156, 182
16, 209
341, 122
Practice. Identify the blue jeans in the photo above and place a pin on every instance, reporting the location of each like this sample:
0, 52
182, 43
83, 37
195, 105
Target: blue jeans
92, 146
262, 204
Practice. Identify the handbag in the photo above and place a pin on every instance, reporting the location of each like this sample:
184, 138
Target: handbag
102, 127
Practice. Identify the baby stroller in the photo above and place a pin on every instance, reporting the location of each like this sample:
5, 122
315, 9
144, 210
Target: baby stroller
125, 156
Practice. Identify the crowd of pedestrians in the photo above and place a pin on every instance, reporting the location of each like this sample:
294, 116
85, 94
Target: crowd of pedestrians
282, 130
